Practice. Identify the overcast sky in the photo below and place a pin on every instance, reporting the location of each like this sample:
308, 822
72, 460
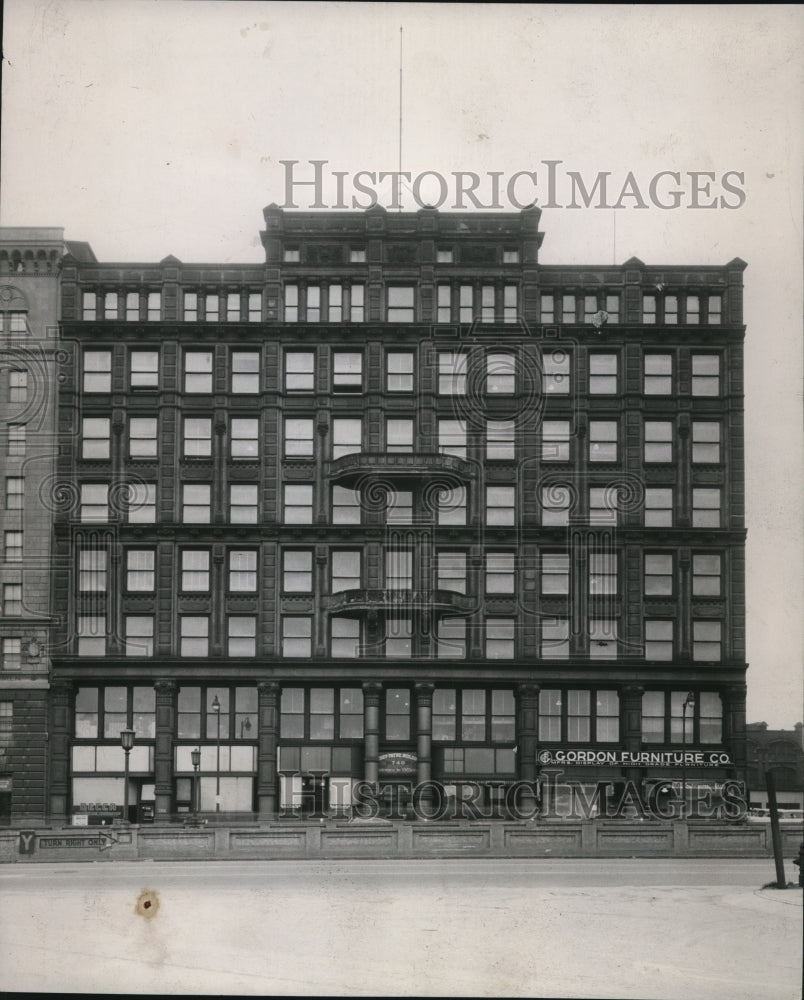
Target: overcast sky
150, 127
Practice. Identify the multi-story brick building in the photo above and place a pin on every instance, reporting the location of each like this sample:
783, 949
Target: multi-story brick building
399, 505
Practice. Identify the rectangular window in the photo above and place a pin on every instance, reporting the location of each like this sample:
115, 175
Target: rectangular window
444, 713
658, 640
555, 639
398, 436
345, 570
195, 570
613, 308
297, 571
452, 438
94, 502
500, 374
297, 636
12, 599
16, 440
243, 506
653, 717
154, 306
291, 303
398, 637
241, 638
568, 309
658, 581
451, 639
335, 303
444, 307
466, 312
92, 575
399, 508
190, 302
555, 440
549, 716
500, 505
500, 440
401, 303
658, 446
345, 506
649, 310
299, 371
347, 371
705, 375
658, 507
705, 442
578, 716
246, 372
12, 546
194, 635
602, 440
452, 571
715, 309
140, 570
500, 573
658, 374
555, 503
451, 374
510, 303
444, 255
195, 503
254, 307
198, 371
710, 717
706, 575
132, 306
356, 303
500, 638
602, 638
245, 439
243, 571
97, 371
12, 653
693, 310
602, 574
589, 307
347, 436
604, 504
142, 440
141, 503
556, 373
298, 436
345, 637
17, 386
291, 255
682, 722
548, 307
555, 574
139, 635
95, 437
451, 506
397, 714
232, 307
706, 641
399, 371
398, 569
298, 504
313, 304
91, 635
473, 715
602, 374
197, 437
357, 255
89, 305
607, 717
487, 295
705, 508
110, 305
144, 370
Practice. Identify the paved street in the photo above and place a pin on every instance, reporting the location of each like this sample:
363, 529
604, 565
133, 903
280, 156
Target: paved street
692, 929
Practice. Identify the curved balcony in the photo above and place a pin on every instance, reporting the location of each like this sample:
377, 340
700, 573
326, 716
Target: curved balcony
393, 601
361, 467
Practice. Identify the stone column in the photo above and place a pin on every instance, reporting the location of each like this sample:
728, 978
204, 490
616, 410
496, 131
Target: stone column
734, 734
527, 743
61, 718
371, 733
163, 748
268, 731
424, 737
631, 722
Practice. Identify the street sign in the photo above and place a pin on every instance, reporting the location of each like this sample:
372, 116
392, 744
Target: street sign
30, 841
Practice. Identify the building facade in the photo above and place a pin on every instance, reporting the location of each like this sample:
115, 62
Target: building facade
401, 507
782, 752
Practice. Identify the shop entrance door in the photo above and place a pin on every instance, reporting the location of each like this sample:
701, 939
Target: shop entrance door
315, 794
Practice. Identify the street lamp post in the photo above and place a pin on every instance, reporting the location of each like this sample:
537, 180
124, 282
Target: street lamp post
216, 708
127, 742
689, 702
196, 758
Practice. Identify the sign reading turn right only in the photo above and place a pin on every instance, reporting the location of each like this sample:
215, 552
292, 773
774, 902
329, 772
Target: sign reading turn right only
30, 841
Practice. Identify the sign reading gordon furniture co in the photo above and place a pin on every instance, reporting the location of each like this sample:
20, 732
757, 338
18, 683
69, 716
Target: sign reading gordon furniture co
641, 758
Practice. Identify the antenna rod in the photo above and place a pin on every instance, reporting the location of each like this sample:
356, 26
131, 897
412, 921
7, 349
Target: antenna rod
400, 115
